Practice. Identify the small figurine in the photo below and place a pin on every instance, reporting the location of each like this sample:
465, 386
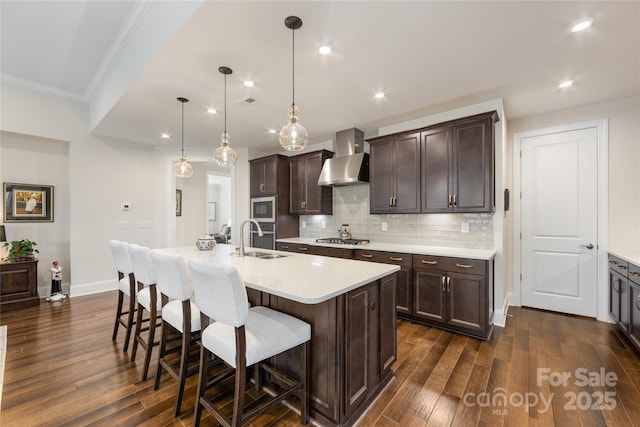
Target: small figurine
56, 283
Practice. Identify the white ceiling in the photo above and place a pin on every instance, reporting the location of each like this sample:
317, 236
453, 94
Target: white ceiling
427, 56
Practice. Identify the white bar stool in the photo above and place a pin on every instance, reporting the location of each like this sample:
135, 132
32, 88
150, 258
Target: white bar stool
242, 337
178, 313
126, 286
149, 300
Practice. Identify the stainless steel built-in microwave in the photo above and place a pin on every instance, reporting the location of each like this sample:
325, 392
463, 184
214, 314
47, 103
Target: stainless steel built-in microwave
263, 209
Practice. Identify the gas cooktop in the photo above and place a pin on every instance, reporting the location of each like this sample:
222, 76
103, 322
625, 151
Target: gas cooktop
339, 241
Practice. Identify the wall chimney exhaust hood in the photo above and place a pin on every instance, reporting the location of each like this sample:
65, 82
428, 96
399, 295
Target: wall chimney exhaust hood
350, 164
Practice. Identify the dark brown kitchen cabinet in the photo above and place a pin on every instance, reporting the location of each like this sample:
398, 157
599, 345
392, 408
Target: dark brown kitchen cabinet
458, 166
619, 292
307, 197
453, 293
265, 173
624, 297
395, 174
353, 346
404, 286
315, 250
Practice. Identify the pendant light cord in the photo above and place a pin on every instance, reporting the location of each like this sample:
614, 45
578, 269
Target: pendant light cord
225, 103
182, 127
293, 66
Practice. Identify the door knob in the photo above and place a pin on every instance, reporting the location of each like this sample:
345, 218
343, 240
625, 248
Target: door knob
589, 246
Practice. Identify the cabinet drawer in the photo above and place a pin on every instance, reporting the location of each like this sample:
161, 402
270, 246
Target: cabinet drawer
430, 262
395, 258
331, 252
634, 273
619, 265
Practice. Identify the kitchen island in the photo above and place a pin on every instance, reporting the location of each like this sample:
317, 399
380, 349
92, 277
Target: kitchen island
350, 306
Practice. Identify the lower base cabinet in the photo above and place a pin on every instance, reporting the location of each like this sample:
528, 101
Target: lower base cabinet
624, 298
453, 293
18, 285
353, 345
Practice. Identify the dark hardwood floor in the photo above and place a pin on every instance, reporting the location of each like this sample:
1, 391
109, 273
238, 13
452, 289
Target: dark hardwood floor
63, 369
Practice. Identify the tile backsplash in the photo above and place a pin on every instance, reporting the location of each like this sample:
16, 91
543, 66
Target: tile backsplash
351, 206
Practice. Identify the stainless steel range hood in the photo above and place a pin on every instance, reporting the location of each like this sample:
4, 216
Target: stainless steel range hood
350, 165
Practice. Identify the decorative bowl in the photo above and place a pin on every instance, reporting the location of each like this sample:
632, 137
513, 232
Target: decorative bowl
205, 242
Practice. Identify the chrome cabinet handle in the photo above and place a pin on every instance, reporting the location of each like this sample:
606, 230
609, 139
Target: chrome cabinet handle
444, 281
455, 202
612, 262
622, 267
366, 255
634, 274
429, 262
304, 249
373, 306
285, 247
395, 202
390, 201
448, 284
464, 265
589, 246
450, 197
261, 187
395, 258
638, 302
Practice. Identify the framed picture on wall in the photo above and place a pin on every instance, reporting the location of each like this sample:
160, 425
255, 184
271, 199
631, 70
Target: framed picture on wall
178, 202
28, 202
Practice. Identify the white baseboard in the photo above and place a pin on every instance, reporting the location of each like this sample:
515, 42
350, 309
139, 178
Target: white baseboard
92, 288
500, 316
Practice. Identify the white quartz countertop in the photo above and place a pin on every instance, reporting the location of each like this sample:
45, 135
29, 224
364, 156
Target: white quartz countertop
629, 256
309, 279
484, 254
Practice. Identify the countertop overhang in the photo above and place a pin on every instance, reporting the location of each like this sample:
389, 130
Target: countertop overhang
483, 254
308, 279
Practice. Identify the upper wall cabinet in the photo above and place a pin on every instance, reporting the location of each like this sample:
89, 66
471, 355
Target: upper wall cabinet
448, 167
458, 166
266, 173
395, 174
306, 196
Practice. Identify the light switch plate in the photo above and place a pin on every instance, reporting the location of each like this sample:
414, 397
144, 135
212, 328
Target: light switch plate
323, 225
464, 227
383, 226
304, 224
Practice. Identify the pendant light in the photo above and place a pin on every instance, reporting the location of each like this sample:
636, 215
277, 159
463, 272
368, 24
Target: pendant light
293, 136
182, 168
225, 155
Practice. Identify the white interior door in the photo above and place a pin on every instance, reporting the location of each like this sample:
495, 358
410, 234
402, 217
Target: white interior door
559, 222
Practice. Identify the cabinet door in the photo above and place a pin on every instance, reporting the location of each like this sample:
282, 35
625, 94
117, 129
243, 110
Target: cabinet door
271, 175
429, 298
407, 174
634, 313
473, 166
614, 295
467, 301
404, 281
387, 319
297, 194
360, 344
436, 170
256, 178
313, 192
381, 176
624, 290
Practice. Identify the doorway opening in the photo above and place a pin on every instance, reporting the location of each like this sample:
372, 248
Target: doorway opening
219, 212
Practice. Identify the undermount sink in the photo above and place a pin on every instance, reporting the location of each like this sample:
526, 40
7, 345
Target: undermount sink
264, 255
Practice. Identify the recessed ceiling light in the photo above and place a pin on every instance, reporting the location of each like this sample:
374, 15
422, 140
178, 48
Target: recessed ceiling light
581, 26
326, 49
248, 83
165, 136
211, 110
272, 131
379, 95
565, 84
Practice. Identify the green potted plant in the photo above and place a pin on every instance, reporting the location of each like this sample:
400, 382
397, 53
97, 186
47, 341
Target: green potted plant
21, 250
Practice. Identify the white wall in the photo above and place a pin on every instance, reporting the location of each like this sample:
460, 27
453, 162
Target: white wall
193, 222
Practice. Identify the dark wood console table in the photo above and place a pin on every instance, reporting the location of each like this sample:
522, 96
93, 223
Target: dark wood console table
18, 285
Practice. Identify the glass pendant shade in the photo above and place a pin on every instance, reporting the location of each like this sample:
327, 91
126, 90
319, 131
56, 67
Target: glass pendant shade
225, 155
182, 168
293, 136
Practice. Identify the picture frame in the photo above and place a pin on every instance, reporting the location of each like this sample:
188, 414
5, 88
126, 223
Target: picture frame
178, 202
27, 202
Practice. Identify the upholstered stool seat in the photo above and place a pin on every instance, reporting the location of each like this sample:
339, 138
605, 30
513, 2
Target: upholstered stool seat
242, 337
144, 298
172, 314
